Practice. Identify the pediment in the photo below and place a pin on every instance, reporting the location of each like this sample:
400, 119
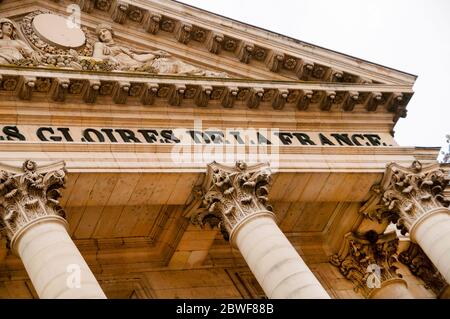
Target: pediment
160, 50
197, 38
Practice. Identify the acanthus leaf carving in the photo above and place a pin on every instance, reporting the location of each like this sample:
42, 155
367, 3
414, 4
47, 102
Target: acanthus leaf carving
61, 88
421, 266
122, 92
231, 194
230, 97
183, 32
119, 14
92, 91
214, 42
280, 99
29, 195
275, 61
203, 96
255, 98
406, 194
150, 91
245, 52
305, 99
152, 23
361, 253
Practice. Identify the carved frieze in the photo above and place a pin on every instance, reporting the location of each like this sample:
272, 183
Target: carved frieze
130, 59
367, 260
97, 52
231, 194
28, 195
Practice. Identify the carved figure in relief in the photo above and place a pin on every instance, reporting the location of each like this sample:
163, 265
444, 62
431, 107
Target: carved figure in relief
131, 59
12, 49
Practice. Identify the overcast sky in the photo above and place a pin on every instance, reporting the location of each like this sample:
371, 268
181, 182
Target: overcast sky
408, 35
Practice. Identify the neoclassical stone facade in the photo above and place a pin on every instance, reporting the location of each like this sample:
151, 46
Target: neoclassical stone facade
153, 150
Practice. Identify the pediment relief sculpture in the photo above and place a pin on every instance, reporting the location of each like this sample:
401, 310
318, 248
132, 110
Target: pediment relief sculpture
12, 49
131, 59
74, 47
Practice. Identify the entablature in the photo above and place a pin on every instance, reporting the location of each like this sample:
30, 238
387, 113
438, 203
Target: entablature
143, 89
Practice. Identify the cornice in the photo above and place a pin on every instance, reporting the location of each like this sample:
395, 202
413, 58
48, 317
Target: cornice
86, 87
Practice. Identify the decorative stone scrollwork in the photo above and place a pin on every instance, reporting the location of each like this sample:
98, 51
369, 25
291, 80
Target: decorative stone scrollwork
28, 195
364, 256
422, 267
406, 194
48, 48
152, 23
103, 5
232, 194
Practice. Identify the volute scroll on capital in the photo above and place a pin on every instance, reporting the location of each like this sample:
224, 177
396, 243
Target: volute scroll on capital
230, 195
28, 194
407, 193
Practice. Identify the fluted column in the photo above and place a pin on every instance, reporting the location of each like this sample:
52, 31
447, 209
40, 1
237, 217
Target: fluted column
413, 198
34, 223
236, 198
367, 260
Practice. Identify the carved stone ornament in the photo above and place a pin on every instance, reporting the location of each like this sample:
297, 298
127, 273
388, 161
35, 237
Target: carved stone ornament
63, 55
232, 194
28, 194
130, 59
407, 193
367, 260
75, 47
422, 267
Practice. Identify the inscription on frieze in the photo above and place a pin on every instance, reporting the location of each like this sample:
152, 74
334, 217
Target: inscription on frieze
146, 135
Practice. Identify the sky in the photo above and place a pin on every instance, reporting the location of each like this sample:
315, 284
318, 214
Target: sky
408, 35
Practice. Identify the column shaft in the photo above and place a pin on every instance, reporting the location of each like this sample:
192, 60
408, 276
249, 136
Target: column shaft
392, 289
275, 263
53, 262
432, 233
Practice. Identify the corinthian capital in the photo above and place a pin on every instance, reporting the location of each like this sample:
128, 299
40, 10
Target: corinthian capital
233, 194
367, 260
407, 193
28, 193
422, 267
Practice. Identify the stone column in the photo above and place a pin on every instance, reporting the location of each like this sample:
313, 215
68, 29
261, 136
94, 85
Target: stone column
33, 220
392, 289
235, 199
413, 198
367, 260
421, 266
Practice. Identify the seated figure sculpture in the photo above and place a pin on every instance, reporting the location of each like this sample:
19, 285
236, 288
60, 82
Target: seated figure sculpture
12, 49
131, 59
